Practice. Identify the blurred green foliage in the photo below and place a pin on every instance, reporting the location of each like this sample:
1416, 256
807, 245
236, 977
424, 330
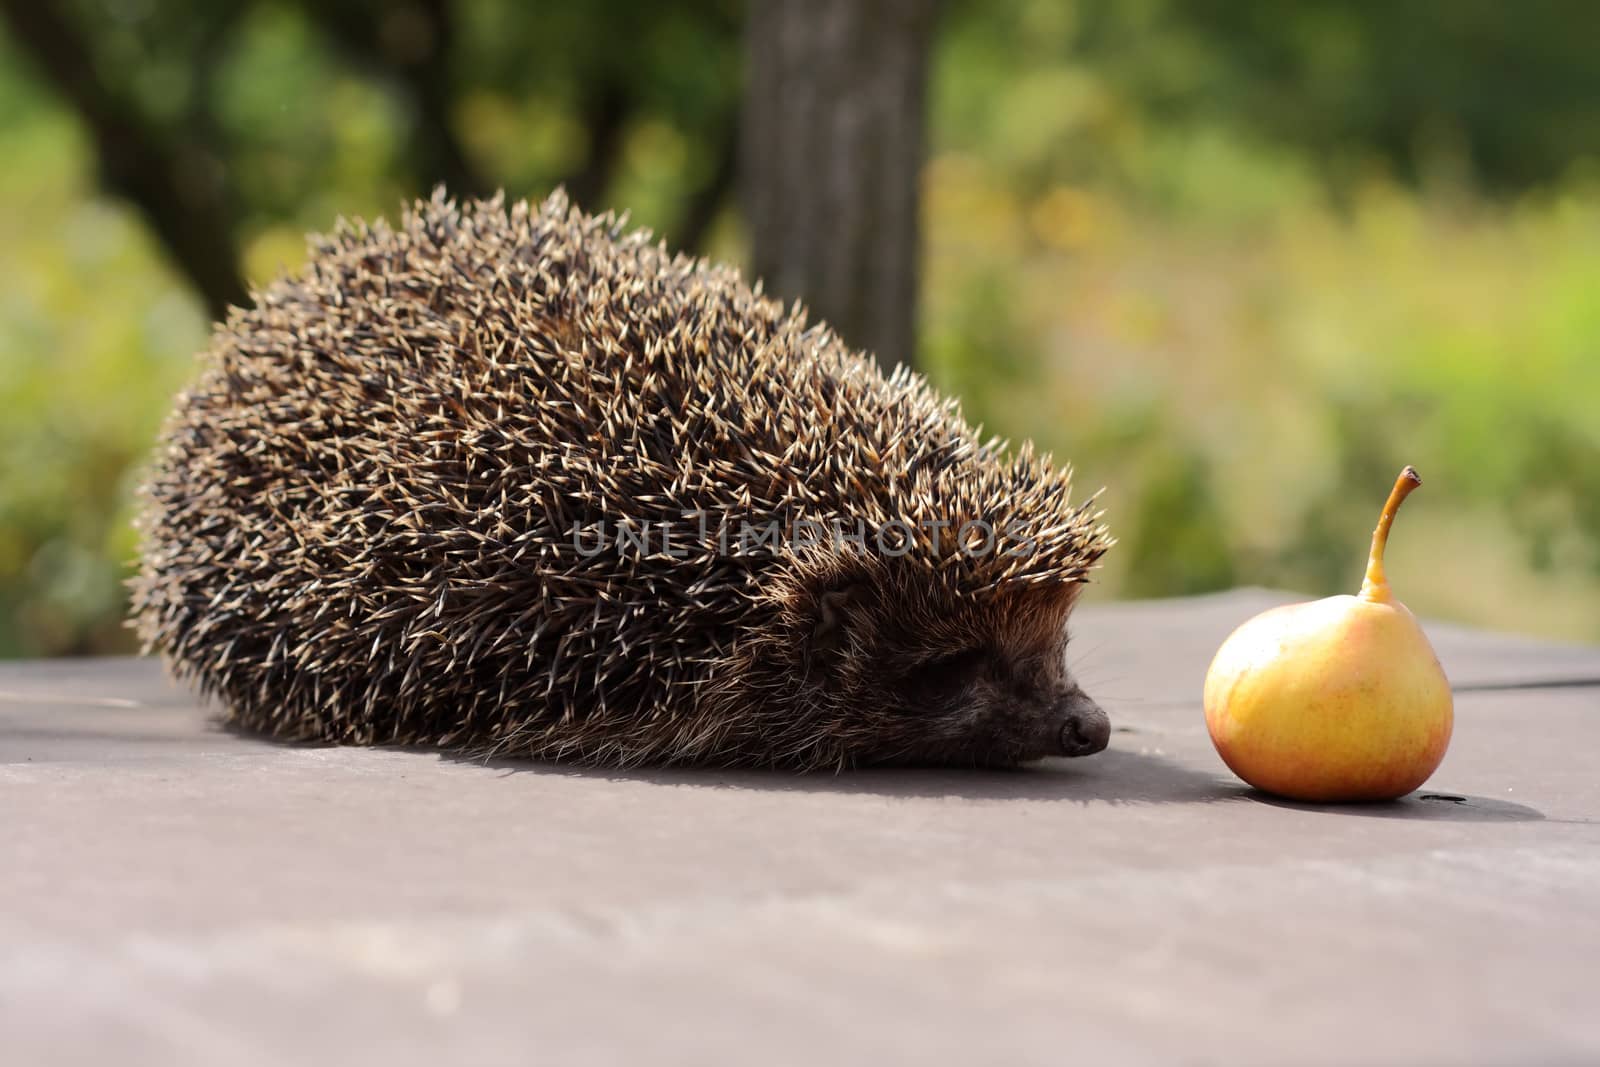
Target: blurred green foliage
1238, 261
1242, 296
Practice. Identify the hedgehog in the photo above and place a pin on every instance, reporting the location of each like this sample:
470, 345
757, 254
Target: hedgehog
519, 482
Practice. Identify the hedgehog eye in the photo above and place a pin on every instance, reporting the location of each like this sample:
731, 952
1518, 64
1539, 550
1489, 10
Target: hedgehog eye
947, 673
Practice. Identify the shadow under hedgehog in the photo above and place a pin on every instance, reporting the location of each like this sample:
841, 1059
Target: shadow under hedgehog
517, 482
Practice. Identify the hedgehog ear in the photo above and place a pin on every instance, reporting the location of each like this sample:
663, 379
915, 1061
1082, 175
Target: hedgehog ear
833, 613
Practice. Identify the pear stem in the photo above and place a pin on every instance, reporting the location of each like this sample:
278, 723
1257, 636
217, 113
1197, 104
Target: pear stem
1376, 586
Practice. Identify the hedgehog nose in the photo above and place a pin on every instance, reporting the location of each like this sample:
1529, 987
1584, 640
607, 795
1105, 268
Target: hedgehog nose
1087, 729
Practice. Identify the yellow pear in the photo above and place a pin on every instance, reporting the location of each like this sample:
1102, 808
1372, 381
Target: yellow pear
1333, 700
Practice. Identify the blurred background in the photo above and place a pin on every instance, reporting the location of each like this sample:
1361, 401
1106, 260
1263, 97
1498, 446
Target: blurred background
1237, 260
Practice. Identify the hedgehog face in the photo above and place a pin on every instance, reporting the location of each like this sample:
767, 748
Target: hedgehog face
935, 676
995, 703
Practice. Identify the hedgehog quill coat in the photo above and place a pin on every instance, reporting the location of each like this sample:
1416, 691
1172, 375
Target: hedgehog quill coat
518, 482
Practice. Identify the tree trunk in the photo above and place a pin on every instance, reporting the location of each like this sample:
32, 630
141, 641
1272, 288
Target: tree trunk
832, 155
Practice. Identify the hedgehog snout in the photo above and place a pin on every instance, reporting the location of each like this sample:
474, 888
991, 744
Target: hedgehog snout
1086, 728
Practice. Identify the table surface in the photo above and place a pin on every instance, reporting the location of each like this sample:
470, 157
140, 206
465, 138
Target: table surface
175, 893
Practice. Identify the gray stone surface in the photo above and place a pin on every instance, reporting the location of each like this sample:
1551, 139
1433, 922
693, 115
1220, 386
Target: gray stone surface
172, 893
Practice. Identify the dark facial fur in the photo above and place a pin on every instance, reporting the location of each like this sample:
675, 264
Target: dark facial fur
905, 669
358, 527
1000, 695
